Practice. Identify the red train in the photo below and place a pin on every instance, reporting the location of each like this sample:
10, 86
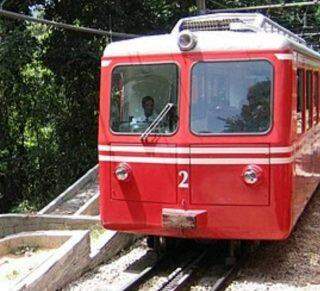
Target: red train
211, 131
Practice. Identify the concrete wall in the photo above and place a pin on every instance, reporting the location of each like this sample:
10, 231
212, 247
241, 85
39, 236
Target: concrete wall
15, 223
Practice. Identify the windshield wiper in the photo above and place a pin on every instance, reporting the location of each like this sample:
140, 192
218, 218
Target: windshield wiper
156, 121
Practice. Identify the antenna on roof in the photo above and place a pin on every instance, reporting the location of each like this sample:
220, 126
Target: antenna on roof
110, 28
201, 5
2, 3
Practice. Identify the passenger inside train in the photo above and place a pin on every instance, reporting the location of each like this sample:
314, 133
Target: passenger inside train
139, 93
231, 97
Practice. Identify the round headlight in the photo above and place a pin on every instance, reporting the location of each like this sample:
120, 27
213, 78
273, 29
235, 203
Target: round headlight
251, 175
187, 40
122, 172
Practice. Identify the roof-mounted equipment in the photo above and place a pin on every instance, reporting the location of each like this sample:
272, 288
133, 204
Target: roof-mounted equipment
254, 22
187, 40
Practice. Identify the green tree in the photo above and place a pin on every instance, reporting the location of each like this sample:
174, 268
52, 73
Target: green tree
21, 111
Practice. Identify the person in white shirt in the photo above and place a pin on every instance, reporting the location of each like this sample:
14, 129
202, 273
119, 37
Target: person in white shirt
142, 122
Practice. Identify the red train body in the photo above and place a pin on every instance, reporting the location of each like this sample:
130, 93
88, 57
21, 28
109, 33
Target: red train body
245, 172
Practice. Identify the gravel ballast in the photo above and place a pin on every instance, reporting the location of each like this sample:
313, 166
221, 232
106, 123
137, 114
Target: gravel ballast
293, 264
113, 273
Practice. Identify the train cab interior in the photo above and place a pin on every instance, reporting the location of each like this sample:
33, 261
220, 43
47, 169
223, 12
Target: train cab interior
139, 93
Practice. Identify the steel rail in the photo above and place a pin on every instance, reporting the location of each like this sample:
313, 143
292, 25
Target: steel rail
181, 273
187, 272
145, 275
181, 277
223, 282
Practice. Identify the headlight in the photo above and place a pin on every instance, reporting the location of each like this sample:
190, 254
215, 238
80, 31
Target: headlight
122, 172
187, 40
252, 174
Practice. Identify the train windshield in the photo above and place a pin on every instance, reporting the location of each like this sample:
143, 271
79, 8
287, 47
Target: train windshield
139, 93
231, 97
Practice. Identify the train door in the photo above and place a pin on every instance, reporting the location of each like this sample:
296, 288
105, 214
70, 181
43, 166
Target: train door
144, 118
231, 106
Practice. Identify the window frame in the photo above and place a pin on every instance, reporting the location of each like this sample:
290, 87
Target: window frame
178, 67
303, 100
308, 99
235, 133
318, 99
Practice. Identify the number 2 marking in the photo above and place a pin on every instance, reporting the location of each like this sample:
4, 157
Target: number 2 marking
184, 182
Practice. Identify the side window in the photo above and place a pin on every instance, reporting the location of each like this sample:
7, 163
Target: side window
315, 97
300, 93
308, 99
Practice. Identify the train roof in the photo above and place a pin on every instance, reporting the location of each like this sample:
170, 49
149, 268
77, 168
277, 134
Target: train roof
216, 32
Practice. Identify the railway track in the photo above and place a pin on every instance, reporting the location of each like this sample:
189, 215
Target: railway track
187, 270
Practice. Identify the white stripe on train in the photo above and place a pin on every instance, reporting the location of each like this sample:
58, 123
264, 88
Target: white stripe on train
284, 56
196, 150
196, 161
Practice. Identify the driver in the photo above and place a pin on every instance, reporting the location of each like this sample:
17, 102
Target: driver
148, 113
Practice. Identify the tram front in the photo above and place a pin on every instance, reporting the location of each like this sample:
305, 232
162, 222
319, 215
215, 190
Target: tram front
186, 123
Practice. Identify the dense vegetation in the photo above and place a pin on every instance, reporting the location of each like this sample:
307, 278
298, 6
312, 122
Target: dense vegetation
49, 86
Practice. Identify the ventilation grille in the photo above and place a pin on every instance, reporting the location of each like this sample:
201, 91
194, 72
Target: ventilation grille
208, 24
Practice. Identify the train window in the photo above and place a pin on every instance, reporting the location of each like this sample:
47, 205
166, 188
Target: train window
315, 97
300, 92
308, 99
231, 97
139, 93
